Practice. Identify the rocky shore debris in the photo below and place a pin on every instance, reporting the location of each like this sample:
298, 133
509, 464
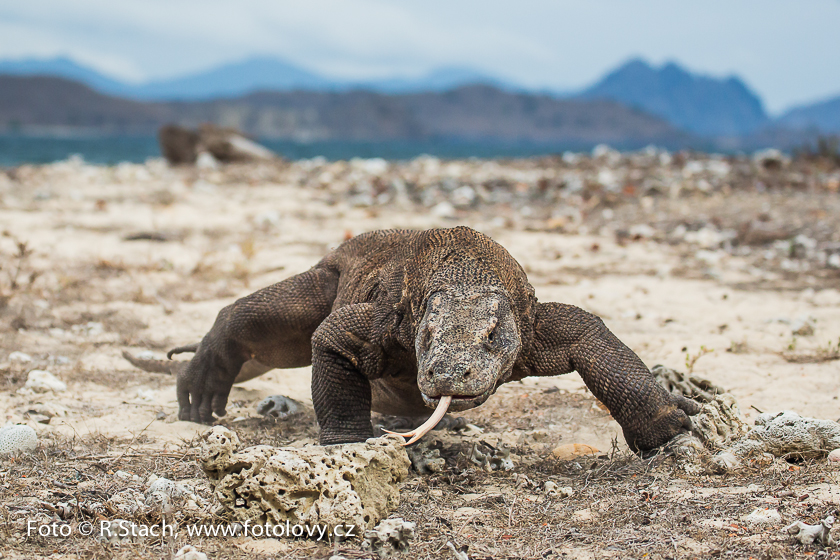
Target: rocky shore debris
390, 538
809, 534
335, 485
278, 406
721, 428
42, 381
208, 145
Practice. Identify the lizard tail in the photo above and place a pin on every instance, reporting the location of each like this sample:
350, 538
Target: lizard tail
181, 349
152, 366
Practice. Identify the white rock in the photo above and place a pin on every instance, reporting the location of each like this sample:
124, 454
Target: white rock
42, 381
189, 552
787, 433
20, 357
205, 160
762, 516
443, 210
463, 197
727, 461
390, 537
17, 438
642, 230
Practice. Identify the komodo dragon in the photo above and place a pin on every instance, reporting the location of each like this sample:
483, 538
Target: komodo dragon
400, 321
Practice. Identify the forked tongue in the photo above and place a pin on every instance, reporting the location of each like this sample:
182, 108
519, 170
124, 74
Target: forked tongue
427, 426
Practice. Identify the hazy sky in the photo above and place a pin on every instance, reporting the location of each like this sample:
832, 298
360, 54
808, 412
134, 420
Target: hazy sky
786, 50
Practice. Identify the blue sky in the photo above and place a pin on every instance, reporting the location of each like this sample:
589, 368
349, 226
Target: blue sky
788, 51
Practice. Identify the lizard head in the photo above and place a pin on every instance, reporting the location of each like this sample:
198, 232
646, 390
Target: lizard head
466, 344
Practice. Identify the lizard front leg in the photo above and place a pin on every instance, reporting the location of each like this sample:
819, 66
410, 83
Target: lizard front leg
567, 338
345, 357
272, 328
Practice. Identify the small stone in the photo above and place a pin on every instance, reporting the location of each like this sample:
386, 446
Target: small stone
42, 381
762, 516
118, 531
834, 456
571, 451
390, 537
17, 438
726, 461
50, 410
189, 552
443, 210
278, 406
20, 357
552, 489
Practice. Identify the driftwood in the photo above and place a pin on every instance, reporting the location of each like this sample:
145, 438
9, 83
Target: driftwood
182, 146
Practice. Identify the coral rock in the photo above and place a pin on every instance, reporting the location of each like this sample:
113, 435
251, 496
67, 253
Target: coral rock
354, 483
17, 438
787, 433
390, 537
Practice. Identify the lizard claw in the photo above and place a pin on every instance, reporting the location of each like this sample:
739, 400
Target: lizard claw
427, 426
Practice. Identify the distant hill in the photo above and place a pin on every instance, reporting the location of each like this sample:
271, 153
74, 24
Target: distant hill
700, 104
235, 79
63, 68
466, 113
722, 111
28, 102
242, 77
823, 116
476, 113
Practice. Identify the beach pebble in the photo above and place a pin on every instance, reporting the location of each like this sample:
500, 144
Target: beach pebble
552, 489
762, 516
17, 438
42, 381
50, 410
118, 531
390, 537
189, 552
20, 357
278, 406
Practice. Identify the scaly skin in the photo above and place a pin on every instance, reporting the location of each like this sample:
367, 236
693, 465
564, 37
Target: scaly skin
391, 321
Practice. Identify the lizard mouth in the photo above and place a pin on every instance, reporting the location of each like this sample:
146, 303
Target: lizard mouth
459, 402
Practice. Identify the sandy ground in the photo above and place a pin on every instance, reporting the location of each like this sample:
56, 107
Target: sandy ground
96, 293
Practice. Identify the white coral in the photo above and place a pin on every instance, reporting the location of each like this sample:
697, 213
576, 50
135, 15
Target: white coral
17, 438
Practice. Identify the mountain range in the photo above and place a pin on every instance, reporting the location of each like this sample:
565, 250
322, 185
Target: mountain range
468, 113
702, 106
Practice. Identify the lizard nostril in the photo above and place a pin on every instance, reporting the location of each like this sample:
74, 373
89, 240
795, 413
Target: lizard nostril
467, 373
